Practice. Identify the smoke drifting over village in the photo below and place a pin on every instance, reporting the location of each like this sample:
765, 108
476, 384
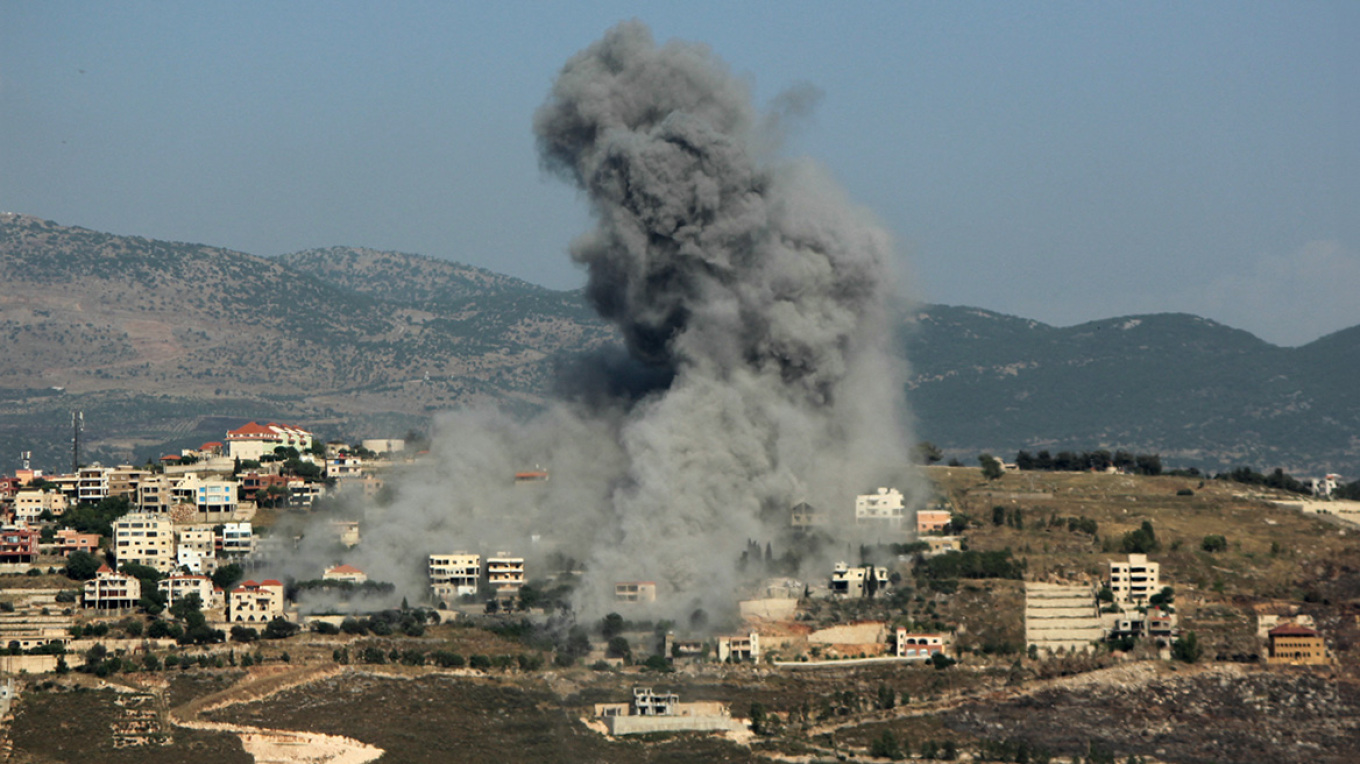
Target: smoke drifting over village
753, 301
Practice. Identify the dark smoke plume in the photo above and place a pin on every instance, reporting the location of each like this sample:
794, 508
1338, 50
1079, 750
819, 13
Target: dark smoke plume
753, 301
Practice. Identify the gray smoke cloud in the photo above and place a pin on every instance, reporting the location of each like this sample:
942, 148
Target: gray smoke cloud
754, 303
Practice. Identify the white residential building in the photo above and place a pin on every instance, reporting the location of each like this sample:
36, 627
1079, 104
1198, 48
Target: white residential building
237, 540
345, 573
145, 539
1134, 581
253, 440
176, 588
109, 590
454, 575
886, 506
253, 602
850, 582
214, 500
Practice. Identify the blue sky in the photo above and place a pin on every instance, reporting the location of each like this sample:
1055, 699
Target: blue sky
1060, 161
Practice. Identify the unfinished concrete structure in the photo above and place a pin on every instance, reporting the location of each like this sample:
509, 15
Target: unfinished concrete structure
739, 648
852, 582
663, 712
1134, 581
454, 575
635, 591
1061, 618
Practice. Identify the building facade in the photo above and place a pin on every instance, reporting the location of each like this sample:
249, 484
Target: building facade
1134, 581
145, 539
884, 507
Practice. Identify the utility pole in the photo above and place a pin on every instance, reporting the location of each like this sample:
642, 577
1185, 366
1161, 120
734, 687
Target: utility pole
77, 424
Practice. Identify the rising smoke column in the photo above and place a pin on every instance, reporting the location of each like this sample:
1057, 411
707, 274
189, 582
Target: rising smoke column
753, 301
756, 285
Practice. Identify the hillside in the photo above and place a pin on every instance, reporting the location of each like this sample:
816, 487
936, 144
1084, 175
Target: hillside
149, 337
1191, 389
164, 344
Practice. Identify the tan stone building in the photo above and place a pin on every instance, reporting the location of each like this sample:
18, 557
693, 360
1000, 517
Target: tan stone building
112, 591
145, 539
1294, 644
1136, 580
253, 602
454, 575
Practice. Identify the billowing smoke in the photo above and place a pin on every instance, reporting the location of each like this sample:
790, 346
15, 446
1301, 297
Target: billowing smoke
754, 304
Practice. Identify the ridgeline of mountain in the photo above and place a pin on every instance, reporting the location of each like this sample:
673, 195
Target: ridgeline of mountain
164, 345
1195, 391
152, 339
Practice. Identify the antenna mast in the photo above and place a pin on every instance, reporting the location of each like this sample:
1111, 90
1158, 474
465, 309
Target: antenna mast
77, 424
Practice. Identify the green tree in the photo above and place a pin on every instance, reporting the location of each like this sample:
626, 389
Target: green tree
611, 625
885, 746
991, 466
618, 647
1214, 543
1187, 648
280, 628
227, 577
928, 453
82, 566
758, 718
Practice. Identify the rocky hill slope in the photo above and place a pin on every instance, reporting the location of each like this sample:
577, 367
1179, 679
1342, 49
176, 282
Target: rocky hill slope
165, 344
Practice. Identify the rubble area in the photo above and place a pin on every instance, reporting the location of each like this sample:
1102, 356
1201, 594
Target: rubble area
1225, 713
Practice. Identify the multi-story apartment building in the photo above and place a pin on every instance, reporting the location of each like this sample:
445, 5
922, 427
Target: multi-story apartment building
214, 500
92, 484
112, 591
1134, 581
454, 575
505, 574
145, 539
30, 505
18, 545
742, 647
253, 602
885, 507
1299, 645
237, 540
178, 587
154, 494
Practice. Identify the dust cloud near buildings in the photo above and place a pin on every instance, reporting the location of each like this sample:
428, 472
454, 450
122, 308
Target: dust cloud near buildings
758, 369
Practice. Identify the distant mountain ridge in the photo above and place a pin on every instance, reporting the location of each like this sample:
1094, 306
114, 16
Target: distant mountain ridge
163, 344
1194, 390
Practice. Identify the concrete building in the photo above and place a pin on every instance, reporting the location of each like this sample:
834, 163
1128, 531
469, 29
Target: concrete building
214, 500
178, 587
30, 505
505, 574
739, 648
69, 540
454, 575
383, 445
804, 517
932, 520
851, 582
345, 573
1135, 580
635, 591
912, 645
237, 540
1061, 618
254, 440
145, 539
18, 545
154, 494
253, 602
663, 712
1297, 645
885, 507
92, 484
112, 591
346, 532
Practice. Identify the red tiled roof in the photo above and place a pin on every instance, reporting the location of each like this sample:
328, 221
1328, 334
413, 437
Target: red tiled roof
169, 458
104, 569
210, 444
250, 428
271, 582
1292, 630
343, 569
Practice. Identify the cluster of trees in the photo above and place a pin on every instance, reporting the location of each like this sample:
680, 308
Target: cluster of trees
1085, 461
1140, 541
1277, 479
413, 656
973, 564
887, 746
279, 628
408, 621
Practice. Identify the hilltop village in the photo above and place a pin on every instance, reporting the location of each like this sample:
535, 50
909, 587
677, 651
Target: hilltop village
1012, 574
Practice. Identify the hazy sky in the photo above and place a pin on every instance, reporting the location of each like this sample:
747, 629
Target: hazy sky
1060, 161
